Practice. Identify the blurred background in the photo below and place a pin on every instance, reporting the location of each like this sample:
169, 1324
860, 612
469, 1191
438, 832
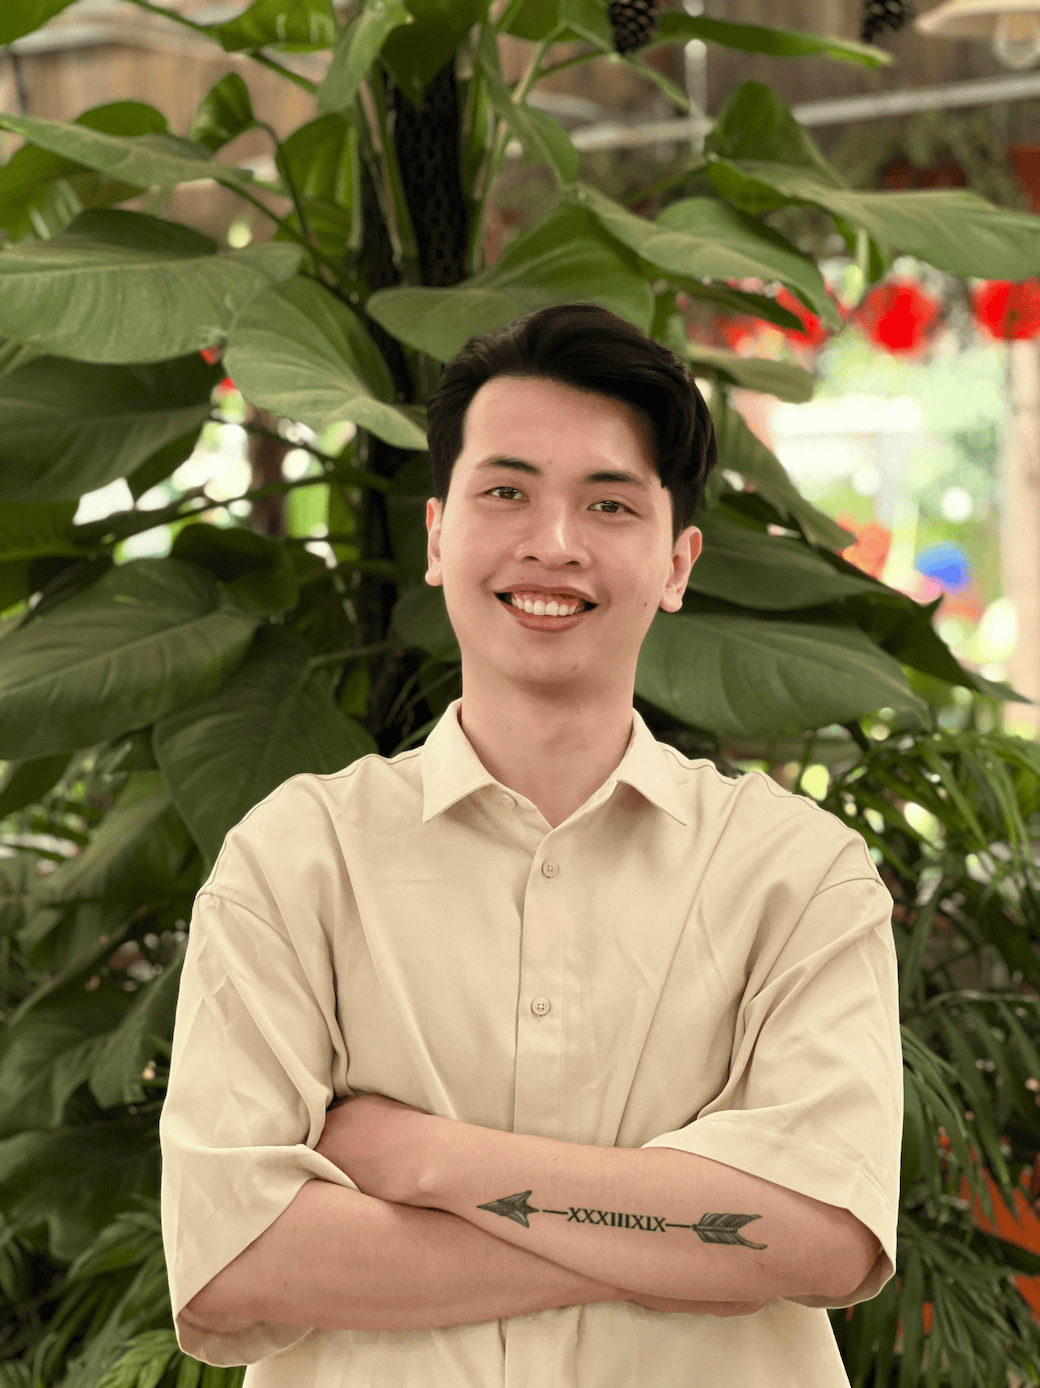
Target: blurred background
923, 437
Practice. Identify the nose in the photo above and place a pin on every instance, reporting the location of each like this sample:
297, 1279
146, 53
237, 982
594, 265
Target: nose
553, 534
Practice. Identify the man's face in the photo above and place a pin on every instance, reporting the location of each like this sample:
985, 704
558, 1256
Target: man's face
522, 515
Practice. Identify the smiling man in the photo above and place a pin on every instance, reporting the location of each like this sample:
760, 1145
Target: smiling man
540, 1053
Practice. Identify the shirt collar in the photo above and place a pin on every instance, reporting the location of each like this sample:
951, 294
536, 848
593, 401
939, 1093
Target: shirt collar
451, 768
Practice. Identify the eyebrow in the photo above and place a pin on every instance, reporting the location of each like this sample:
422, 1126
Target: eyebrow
602, 475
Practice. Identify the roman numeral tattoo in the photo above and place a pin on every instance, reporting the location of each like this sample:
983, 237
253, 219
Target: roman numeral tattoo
711, 1228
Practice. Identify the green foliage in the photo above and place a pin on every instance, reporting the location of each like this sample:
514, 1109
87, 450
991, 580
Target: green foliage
953, 819
146, 703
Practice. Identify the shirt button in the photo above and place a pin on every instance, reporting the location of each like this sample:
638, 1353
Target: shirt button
508, 800
549, 868
540, 1006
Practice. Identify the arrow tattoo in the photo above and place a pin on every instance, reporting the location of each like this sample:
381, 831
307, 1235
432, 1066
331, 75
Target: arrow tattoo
712, 1228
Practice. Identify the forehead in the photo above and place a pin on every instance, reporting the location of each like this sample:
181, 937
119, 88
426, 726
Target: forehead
551, 421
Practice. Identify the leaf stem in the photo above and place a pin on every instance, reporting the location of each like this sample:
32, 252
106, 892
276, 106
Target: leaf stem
571, 62
353, 653
348, 476
283, 168
259, 56
283, 224
857, 734
203, 29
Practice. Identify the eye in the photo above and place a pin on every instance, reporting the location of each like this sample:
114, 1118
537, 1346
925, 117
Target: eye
606, 502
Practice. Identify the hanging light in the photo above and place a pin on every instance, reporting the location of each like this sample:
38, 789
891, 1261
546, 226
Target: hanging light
1012, 26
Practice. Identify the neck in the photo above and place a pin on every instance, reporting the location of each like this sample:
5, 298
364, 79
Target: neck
554, 750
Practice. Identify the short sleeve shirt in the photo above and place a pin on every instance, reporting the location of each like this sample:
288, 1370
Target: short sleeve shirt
687, 961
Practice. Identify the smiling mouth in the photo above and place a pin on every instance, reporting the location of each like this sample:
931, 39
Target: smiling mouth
507, 599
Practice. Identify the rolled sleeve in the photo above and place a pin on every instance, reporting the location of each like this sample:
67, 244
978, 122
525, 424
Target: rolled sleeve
814, 1098
255, 1060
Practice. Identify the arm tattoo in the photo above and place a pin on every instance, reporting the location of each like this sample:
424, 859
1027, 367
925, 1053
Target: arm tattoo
712, 1228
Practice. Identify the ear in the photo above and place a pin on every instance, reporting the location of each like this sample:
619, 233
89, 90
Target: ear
434, 516
684, 555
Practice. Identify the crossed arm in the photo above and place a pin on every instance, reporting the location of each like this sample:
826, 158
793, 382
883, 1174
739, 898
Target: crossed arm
454, 1224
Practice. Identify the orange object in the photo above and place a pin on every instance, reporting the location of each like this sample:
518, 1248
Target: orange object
873, 541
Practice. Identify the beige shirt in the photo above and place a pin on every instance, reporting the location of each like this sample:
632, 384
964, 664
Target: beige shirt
687, 961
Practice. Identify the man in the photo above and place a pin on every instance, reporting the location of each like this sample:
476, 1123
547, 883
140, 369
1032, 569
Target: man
618, 1035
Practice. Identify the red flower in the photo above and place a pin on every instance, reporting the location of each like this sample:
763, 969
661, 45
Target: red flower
226, 384
898, 316
1008, 310
734, 331
211, 354
813, 333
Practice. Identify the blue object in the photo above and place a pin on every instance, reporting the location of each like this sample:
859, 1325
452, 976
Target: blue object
946, 563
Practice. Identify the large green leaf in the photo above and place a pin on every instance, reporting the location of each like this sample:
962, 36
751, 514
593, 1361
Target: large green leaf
299, 351
949, 228
730, 300
31, 171
20, 17
752, 568
535, 20
272, 720
675, 27
121, 286
13, 356
116, 1072
756, 123
48, 1054
417, 53
141, 640
145, 161
162, 463
36, 544
323, 162
26, 782
740, 450
294, 25
590, 21
69, 427
780, 378
905, 629
356, 50
321, 157
224, 113
74, 1179
420, 617
567, 258
137, 852
742, 676
31, 530
701, 238
257, 572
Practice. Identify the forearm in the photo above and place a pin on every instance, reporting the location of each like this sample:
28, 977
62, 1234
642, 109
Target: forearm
336, 1259
643, 1219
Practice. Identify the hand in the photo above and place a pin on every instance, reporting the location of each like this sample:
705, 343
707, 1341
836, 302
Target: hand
697, 1308
381, 1144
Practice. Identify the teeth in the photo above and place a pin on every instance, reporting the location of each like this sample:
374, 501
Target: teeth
538, 607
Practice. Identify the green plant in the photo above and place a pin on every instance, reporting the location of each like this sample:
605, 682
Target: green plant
147, 703
953, 818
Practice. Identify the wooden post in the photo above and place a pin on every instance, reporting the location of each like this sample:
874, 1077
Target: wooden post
1020, 528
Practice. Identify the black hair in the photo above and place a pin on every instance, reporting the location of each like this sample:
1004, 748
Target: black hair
591, 349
